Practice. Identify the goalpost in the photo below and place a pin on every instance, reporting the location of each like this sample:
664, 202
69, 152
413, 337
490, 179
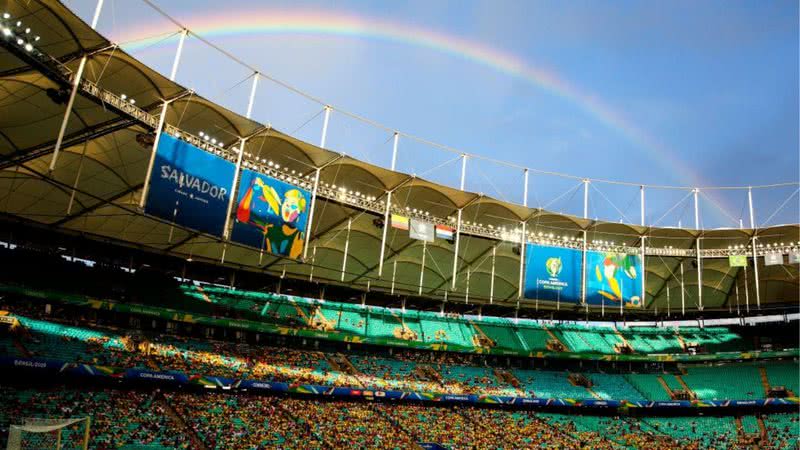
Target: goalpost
59, 434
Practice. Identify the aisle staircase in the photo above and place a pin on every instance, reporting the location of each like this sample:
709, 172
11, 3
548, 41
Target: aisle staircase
555, 338
21, 348
685, 386
764, 380
665, 386
173, 414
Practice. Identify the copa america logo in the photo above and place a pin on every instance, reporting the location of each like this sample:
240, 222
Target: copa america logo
553, 266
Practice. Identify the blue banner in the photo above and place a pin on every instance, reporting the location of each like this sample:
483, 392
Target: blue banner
613, 277
271, 215
552, 273
189, 186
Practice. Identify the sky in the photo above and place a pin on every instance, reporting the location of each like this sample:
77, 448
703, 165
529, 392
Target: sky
679, 93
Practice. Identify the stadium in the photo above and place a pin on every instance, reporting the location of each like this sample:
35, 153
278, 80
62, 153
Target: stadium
177, 274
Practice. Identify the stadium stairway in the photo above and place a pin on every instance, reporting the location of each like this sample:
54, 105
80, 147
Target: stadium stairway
665, 386
762, 371
21, 348
762, 429
685, 386
555, 338
178, 419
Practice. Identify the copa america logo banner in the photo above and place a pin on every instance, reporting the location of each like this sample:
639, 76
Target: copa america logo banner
271, 215
552, 273
189, 187
612, 278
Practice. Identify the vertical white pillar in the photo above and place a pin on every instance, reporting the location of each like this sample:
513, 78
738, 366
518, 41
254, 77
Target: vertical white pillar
696, 209
644, 271
385, 231
161, 119
522, 247
311, 208
422, 266
585, 198
251, 101
466, 297
458, 223
738, 312
232, 196
324, 137
346, 247
491, 281
699, 277
641, 205
77, 179
313, 263
669, 308
387, 211
746, 292
76, 82
525, 189
683, 293
753, 247
394, 274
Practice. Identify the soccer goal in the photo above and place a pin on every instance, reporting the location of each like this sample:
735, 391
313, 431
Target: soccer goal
59, 434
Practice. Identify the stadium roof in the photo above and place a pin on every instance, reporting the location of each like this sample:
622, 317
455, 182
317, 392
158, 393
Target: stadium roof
96, 187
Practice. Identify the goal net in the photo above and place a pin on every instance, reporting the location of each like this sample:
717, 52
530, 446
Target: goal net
59, 434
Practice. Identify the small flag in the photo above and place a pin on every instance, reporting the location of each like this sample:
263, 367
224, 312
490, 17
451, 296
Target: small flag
773, 259
794, 257
421, 230
737, 260
444, 232
399, 222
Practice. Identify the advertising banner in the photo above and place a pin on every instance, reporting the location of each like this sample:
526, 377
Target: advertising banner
552, 273
189, 186
271, 215
613, 277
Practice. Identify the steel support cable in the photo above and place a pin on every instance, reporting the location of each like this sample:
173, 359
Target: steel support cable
608, 200
672, 208
781, 206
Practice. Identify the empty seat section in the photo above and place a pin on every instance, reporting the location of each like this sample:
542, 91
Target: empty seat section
729, 381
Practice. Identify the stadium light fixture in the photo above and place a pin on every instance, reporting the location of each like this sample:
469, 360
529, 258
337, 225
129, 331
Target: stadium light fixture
6, 15
6, 31
28, 47
36, 39
123, 96
27, 30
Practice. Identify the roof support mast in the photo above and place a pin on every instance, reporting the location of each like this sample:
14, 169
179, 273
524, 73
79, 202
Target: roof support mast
76, 82
387, 211
584, 240
753, 246
161, 119
643, 247
458, 222
226, 230
522, 241
314, 190
697, 248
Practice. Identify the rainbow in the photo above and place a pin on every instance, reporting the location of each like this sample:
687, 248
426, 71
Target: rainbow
303, 22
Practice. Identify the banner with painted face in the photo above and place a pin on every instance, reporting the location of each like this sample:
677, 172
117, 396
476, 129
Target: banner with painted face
189, 187
613, 277
552, 273
271, 215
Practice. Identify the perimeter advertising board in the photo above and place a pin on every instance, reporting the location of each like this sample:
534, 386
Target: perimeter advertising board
189, 187
552, 273
271, 215
613, 277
